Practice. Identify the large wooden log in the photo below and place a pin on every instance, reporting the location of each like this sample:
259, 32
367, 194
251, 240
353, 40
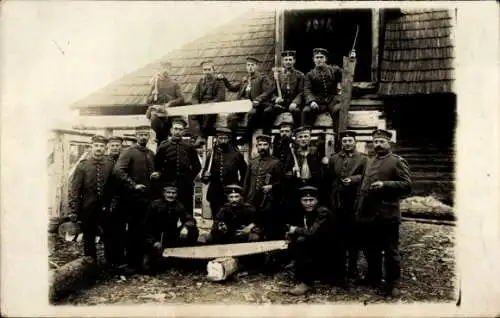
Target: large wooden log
72, 277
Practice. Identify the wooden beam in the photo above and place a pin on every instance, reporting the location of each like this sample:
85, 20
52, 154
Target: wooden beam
375, 41
237, 106
349, 66
279, 37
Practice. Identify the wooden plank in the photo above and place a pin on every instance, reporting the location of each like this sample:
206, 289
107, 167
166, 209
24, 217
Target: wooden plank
358, 119
237, 106
206, 212
349, 66
375, 43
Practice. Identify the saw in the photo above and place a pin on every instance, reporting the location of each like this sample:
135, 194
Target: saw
225, 250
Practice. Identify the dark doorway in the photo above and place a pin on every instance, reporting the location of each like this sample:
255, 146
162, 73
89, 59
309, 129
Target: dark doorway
333, 30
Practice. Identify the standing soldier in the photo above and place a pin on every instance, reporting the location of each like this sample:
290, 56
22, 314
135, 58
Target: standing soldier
134, 169
311, 241
291, 89
115, 144
89, 194
257, 88
164, 92
262, 182
281, 143
236, 221
228, 166
385, 181
344, 174
321, 88
162, 230
177, 161
208, 90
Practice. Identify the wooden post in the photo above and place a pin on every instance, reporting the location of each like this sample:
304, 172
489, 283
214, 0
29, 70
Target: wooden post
375, 41
66, 150
278, 40
206, 212
347, 77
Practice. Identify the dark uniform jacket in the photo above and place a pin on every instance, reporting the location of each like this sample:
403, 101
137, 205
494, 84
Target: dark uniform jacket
163, 217
260, 88
228, 167
258, 170
313, 161
177, 160
237, 217
317, 227
209, 90
320, 84
134, 166
281, 149
168, 91
292, 87
89, 190
343, 165
383, 204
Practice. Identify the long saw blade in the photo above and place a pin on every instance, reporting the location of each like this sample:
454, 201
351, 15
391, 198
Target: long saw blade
225, 250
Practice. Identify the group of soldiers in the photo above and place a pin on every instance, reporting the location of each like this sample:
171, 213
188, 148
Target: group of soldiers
328, 210
305, 96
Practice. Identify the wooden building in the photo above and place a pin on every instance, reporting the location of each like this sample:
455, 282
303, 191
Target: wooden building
403, 81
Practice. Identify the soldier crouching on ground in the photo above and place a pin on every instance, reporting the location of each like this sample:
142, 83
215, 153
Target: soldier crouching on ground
311, 243
386, 180
90, 195
236, 221
161, 229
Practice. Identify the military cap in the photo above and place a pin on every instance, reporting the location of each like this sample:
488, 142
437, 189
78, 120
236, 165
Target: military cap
253, 59
286, 123
180, 121
381, 133
302, 128
347, 133
233, 188
170, 185
130, 138
263, 137
142, 127
308, 191
99, 139
222, 131
207, 62
288, 53
115, 138
320, 50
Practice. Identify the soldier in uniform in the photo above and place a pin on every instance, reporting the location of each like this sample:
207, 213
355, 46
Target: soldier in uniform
161, 229
115, 144
385, 181
209, 89
134, 169
310, 242
344, 173
257, 88
282, 142
89, 194
236, 221
164, 92
177, 161
262, 181
321, 88
228, 167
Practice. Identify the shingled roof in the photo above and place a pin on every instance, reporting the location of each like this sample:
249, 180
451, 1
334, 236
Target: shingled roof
251, 34
418, 54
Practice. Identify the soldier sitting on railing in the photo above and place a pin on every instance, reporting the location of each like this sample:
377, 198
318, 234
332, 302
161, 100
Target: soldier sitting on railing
164, 92
257, 88
321, 88
208, 90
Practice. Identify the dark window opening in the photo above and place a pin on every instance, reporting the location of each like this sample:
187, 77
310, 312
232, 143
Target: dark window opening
333, 30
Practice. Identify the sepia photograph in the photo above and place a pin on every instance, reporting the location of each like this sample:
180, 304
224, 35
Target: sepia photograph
252, 155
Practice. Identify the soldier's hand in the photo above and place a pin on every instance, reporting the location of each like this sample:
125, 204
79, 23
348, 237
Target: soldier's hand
267, 188
220, 76
295, 170
346, 181
140, 187
184, 232
377, 185
155, 175
255, 103
314, 105
292, 229
157, 245
73, 217
292, 107
279, 100
324, 160
222, 227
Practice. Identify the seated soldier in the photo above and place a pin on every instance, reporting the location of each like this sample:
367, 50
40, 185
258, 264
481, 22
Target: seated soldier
310, 244
161, 228
236, 221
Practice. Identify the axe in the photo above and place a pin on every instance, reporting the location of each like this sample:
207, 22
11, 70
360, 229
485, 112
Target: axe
225, 250
295, 161
207, 173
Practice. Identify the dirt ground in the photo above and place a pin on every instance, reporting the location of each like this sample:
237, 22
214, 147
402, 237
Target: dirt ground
428, 275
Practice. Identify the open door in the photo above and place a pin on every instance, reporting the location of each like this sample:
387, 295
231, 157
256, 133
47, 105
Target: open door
333, 30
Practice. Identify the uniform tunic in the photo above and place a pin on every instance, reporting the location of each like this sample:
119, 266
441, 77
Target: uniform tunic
232, 218
169, 91
228, 167
177, 161
90, 197
292, 90
281, 149
208, 90
379, 215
